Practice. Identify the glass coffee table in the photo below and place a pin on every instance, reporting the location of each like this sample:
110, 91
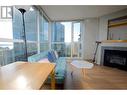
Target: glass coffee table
83, 65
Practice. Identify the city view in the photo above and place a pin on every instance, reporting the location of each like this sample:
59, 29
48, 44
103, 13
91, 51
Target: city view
61, 37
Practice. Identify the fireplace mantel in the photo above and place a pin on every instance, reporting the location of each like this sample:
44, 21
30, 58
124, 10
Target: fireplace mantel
114, 41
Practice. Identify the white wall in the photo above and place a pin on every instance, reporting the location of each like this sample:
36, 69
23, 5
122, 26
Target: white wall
90, 36
103, 29
96, 29
103, 22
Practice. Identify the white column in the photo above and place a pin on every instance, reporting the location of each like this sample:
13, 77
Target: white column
82, 27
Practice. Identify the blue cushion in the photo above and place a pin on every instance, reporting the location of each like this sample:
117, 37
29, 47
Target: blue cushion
50, 57
53, 55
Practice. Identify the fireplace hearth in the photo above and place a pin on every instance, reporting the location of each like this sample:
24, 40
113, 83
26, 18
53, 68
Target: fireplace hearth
115, 57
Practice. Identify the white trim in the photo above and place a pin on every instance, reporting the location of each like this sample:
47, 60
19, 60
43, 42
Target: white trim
82, 38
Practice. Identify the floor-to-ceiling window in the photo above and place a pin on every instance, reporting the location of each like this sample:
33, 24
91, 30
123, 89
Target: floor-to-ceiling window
11, 34
66, 38
44, 34
30, 31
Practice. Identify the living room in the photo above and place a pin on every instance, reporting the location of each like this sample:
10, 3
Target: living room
63, 36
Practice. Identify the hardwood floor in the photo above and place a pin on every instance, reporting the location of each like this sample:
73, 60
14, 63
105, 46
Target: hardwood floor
99, 77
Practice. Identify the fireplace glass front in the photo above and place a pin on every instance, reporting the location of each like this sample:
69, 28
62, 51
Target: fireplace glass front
115, 58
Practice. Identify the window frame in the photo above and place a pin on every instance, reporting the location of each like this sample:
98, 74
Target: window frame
72, 42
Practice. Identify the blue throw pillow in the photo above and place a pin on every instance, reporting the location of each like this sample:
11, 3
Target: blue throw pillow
50, 57
53, 55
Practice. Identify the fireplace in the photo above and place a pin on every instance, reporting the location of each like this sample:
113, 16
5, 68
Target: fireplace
114, 57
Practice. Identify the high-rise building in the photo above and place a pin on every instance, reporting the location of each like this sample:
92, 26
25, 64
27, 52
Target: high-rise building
6, 55
30, 30
58, 36
58, 32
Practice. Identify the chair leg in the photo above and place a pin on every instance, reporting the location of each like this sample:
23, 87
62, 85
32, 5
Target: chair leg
72, 71
53, 79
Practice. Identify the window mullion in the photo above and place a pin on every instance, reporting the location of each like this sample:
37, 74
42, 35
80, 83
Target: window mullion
38, 33
49, 34
72, 29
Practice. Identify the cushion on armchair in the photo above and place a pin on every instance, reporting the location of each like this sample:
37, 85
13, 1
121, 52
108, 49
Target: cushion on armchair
50, 57
53, 55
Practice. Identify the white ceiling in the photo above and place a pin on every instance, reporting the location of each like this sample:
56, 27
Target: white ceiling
71, 12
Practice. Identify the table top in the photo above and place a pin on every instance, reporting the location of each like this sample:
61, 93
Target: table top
82, 64
23, 75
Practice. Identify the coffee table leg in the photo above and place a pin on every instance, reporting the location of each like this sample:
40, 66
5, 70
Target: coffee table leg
53, 79
83, 72
71, 73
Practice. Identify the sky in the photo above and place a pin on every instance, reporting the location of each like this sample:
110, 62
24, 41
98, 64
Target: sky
67, 26
6, 29
68, 30
6, 32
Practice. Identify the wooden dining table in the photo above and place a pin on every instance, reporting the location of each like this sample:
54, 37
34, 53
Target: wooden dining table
25, 75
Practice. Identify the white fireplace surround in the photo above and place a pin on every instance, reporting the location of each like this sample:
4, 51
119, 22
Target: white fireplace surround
112, 45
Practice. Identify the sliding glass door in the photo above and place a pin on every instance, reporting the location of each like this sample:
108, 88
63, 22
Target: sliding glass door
66, 39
